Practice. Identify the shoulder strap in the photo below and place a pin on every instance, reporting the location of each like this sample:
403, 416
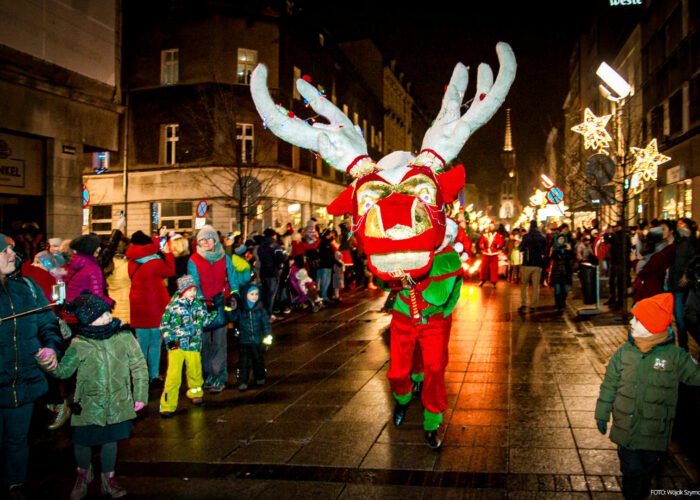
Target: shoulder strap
31, 287
131, 276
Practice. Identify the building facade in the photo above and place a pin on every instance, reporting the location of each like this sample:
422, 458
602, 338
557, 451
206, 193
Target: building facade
195, 140
60, 108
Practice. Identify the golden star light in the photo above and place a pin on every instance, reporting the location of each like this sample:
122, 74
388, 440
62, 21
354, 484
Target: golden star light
647, 161
593, 130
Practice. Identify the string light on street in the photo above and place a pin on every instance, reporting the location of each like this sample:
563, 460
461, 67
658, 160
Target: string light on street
647, 161
593, 130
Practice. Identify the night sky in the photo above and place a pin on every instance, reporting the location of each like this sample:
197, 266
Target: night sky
428, 42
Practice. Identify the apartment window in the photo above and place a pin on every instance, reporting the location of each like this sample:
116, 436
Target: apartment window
244, 142
169, 134
379, 140
371, 135
169, 66
657, 122
297, 75
675, 111
346, 110
176, 214
101, 220
356, 118
247, 59
321, 39
364, 129
100, 162
695, 99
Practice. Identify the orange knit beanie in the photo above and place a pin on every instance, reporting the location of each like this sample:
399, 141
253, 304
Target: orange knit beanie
655, 313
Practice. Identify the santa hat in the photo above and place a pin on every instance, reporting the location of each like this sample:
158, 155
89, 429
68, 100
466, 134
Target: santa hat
655, 313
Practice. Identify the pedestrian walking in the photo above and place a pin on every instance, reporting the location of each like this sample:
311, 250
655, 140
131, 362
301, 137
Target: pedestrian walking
490, 244
182, 325
253, 328
21, 380
532, 249
562, 258
149, 266
108, 361
657, 257
640, 389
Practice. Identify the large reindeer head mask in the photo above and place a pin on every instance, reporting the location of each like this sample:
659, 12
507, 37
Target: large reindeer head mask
398, 203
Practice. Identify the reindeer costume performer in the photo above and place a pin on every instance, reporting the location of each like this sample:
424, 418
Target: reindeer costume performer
398, 213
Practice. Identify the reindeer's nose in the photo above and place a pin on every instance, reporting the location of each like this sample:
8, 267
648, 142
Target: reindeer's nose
397, 217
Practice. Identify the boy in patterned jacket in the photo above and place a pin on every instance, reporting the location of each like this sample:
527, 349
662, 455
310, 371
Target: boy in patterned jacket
181, 326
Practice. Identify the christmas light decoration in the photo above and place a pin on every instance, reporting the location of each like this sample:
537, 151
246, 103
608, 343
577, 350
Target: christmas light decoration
593, 130
647, 161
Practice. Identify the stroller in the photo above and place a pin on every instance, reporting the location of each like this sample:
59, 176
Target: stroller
299, 298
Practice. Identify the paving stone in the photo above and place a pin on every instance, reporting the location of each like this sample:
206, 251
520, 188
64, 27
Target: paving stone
595, 483
472, 459
612, 483
544, 461
578, 483
600, 461
540, 437
400, 456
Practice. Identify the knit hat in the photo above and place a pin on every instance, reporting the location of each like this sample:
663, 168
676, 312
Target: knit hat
87, 307
6, 241
140, 238
655, 313
85, 244
184, 283
207, 233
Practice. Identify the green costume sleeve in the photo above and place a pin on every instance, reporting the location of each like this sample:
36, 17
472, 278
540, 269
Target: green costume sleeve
688, 369
69, 363
608, 389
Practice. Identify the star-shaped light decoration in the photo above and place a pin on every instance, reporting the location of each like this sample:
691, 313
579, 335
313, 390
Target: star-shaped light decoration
593, 130
647, 161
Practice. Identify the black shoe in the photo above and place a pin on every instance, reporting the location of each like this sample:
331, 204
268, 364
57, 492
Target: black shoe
399, 413
482, 282
166, 414
417, 389
494, 284
522, 309
433, 439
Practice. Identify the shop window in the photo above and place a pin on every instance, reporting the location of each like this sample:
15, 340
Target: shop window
657, 122
247, 59
295, 92
100, 162
176, 214
695, 97
101, 220
244, 142
169, 66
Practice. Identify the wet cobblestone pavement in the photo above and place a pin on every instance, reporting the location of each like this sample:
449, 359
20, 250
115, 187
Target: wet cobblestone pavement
520, 424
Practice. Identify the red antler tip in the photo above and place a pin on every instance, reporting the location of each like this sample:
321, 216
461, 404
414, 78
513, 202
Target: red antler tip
481, 97
306, 78
290, 114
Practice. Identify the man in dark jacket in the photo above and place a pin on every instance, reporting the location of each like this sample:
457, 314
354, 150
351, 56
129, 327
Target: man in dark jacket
270, 260
22, 340
532, 249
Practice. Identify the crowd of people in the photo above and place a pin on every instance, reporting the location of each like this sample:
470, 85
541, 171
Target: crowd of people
128, 297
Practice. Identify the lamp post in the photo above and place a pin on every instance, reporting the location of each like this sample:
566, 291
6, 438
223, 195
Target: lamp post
617, 90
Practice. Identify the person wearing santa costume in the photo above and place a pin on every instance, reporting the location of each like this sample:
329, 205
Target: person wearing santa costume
490, 244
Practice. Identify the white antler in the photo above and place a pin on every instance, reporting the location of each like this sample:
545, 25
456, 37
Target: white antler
340, 142
450, 130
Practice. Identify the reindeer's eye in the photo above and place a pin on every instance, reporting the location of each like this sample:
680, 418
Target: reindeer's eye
422, 187
370, 193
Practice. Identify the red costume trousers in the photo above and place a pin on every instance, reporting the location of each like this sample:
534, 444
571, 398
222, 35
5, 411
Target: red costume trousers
489, 268
433, 338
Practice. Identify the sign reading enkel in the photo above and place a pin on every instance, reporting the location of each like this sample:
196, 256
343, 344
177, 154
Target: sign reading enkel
12, 172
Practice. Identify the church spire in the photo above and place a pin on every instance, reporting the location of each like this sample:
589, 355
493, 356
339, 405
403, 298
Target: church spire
508, 146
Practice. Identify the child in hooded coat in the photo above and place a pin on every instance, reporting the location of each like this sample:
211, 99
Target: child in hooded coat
640, 389
108, 360
254, 332
182, 326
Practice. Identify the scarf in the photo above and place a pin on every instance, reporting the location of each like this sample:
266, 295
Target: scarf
216, 254
645, 259
102, 332
646, 344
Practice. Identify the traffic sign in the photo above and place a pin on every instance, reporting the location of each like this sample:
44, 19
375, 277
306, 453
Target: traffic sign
202, 208
86, 196
555, 195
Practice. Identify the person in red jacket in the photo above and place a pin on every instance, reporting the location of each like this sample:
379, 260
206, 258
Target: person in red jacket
148, 296
490, 244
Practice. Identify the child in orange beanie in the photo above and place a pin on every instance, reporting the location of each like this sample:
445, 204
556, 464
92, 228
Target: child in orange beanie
641, 390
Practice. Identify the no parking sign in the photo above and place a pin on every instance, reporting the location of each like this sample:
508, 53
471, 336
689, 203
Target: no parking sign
86, 196
555, 195
202, 208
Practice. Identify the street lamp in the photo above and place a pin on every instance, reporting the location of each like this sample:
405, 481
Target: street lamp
622, 89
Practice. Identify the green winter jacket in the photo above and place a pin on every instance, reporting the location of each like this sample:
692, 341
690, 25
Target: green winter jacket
641, 391
106, 370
